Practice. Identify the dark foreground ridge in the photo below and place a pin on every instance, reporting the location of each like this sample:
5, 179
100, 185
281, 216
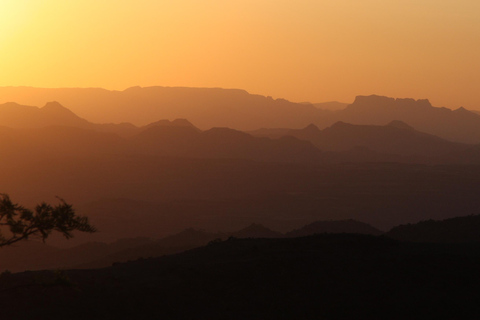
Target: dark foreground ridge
330, 276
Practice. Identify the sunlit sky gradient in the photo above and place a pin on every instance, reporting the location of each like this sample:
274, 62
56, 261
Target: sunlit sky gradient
303, 50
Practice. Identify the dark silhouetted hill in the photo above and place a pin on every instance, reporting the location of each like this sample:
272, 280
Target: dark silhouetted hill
317, 277
33, 255
453, 230
340, 226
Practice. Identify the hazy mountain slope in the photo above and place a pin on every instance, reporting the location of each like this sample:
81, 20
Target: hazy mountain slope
394, 138
186, 141
226, 194
239, 110
59, 141
178, 138
205, 107
18, 116
273, 133
456, 125
14, 115
54, 128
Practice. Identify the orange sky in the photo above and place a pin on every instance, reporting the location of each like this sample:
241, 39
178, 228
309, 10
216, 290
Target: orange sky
303, 50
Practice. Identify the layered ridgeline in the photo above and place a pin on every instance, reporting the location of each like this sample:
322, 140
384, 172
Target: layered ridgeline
205, 107
36, 255
55, 129
395, 138
33, 255
240, 110
169, 175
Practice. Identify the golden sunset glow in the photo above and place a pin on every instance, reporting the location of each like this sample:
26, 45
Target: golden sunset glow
307, 50
239, 159
13, 16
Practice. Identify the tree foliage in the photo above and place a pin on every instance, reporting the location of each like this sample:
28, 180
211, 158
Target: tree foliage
19, 223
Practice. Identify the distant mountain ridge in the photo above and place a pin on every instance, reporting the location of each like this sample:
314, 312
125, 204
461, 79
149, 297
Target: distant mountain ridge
396, 137
237, 109
19, 116
206, 107
53, 128
458, 125
223, 143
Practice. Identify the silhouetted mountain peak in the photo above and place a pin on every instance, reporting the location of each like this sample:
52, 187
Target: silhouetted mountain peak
56, 107
182, 122
135, 88
387, 102
10, 105
364, 100
174, 123
311, 128
461, 110
400, 125
424, 103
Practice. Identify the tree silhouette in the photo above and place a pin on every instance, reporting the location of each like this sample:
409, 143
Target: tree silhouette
18, 223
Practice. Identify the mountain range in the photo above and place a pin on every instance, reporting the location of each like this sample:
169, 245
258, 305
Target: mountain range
396, 138
165, 176
159, 188
55, 130
240, 110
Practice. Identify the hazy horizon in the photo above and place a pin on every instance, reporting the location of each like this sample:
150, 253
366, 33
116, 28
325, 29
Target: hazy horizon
304, 51
239, 159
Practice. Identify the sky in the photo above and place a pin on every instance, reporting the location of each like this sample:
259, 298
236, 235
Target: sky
303, 50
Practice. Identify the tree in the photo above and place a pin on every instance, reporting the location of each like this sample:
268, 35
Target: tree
18, 223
